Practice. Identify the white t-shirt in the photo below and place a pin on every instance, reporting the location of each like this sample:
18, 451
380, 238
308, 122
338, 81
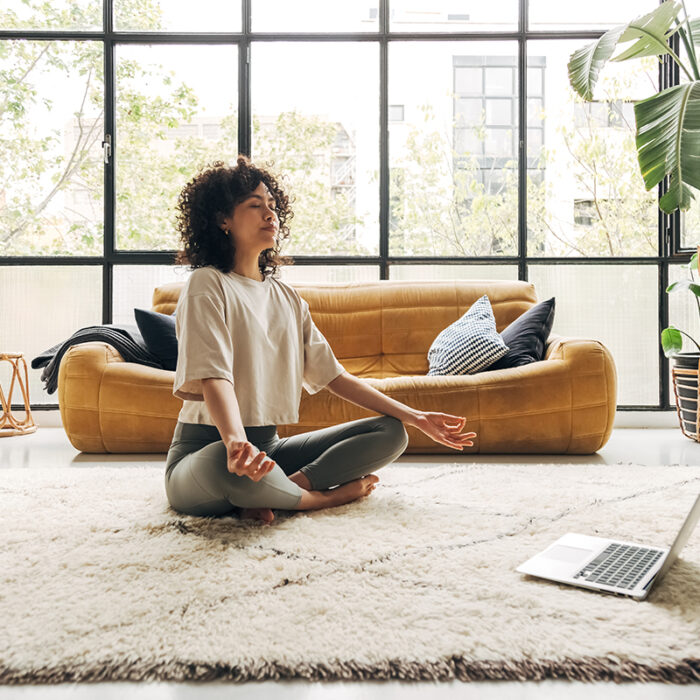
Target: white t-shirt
258, 335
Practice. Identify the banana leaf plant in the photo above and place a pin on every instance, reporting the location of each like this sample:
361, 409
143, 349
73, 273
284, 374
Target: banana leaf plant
667, 123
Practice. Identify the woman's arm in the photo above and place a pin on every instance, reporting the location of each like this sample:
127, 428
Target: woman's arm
221, 401
355, 390
441, 427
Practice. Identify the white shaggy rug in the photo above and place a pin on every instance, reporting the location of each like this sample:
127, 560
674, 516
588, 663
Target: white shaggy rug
101, 580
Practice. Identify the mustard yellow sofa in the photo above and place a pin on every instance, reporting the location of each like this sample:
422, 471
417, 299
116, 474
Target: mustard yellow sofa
381, 332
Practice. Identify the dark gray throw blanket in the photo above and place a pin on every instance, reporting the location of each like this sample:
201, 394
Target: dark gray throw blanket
125, 338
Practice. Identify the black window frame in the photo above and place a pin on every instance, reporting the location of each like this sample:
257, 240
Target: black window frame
669, 232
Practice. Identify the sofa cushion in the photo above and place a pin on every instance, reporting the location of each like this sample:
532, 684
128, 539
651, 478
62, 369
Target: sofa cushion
158, 331
527, 336
469, 344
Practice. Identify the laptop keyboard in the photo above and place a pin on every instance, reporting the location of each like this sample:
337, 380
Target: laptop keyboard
620, 565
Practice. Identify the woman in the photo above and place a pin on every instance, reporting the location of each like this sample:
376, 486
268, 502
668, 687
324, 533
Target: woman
246, 346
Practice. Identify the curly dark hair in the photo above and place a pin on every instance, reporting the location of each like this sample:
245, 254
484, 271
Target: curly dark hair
215, 191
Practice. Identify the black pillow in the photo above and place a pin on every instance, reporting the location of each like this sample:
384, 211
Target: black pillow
526, 337
158, 331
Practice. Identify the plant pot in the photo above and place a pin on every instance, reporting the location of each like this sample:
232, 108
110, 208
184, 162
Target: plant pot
685, 373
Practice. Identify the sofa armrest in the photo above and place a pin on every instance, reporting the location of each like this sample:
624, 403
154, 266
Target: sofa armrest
100, 396
79, 379
593, 377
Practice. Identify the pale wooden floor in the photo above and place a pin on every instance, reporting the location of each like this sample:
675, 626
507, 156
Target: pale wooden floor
50, 447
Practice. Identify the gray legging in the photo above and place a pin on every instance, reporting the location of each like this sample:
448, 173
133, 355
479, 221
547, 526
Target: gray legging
197, 480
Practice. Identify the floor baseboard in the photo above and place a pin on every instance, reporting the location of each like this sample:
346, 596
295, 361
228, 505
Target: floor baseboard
623, 419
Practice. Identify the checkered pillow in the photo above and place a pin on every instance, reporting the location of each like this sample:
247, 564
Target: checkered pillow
469, 344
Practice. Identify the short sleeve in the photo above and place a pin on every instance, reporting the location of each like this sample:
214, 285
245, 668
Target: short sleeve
320, 364
205, 345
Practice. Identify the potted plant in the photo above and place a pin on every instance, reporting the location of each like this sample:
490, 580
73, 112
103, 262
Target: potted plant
667, 141
686, 364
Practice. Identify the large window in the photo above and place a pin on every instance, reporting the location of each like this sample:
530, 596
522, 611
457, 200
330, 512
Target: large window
417, 140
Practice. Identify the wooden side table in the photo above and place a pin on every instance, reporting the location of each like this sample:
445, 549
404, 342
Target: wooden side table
9, 425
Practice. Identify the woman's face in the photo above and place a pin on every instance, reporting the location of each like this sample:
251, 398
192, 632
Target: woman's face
254, 223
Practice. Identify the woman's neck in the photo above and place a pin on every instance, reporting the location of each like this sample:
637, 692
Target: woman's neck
249, 270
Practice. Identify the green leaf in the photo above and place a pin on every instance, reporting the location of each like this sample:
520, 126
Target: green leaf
695, 29
667, 141
693, 262
671, 341
650, 29
585, 63
684, 284
651, 32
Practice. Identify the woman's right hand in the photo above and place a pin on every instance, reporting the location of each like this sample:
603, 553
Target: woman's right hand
244, 459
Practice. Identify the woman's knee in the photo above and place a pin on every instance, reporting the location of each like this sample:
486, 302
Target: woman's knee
395, 432
274, 490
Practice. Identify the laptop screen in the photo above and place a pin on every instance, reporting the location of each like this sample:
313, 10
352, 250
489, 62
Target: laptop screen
679, 543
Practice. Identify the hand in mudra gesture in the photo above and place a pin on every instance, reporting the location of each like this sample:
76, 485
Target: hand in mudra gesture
443, 428
244, 459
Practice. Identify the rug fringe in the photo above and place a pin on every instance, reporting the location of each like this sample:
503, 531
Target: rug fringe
453, 668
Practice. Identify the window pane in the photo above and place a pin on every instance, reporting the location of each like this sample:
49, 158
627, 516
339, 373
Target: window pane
535, 106
535, 82
499, 142
535, 142
594, 14
453, 160
301, 274
51, 172
453, 16
499, 112
65, 299
174, 115
178, 16
321, 135
453, 272
588, 305
690, 224
395, 113
589, 161
314, 16
469, 81
466, 141
499, 81
58, 14
468, 111
134, 286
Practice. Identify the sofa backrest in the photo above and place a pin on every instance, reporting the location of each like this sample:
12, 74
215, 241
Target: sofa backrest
385, 328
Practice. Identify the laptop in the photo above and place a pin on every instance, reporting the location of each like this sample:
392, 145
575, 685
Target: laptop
610, 566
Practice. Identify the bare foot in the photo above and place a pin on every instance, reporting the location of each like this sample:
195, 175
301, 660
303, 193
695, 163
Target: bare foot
312, 500
264, 514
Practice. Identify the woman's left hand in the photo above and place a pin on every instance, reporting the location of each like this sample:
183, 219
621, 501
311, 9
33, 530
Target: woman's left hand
443, 428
